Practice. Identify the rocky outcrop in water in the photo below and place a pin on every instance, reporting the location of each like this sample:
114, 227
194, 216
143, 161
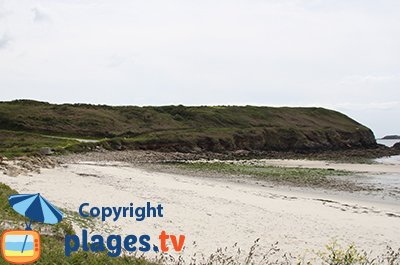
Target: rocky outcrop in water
396, 146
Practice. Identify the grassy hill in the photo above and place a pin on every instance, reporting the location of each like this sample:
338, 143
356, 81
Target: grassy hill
181, 128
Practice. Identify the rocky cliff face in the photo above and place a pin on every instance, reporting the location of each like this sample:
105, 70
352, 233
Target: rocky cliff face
262, 140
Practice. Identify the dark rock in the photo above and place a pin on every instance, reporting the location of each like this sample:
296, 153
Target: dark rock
46, 151
391, 137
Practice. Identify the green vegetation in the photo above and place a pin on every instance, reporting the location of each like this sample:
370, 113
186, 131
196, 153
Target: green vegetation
300, 176
22, 143
53, 253
53, 245
335, 254
180, 128
6, 212
101, 120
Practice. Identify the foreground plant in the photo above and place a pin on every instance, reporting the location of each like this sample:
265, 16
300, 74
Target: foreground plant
336, 255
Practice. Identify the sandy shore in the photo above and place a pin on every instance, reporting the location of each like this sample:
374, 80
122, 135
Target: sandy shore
219, 213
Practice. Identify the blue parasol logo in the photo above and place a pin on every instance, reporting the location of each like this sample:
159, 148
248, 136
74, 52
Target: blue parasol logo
23, 246
35, 208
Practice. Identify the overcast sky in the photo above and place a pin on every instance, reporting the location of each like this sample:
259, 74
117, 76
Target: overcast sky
340, 54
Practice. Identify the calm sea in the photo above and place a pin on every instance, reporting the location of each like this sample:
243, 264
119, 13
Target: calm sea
389, 143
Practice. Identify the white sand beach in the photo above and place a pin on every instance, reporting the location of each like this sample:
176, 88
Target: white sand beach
219, 213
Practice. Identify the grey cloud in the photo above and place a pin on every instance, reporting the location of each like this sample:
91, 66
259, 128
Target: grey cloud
3, 12
40, 16
115, 61
355, 79
118, 60
356, 106
5, 40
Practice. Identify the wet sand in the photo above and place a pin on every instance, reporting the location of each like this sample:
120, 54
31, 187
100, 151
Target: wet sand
386, 165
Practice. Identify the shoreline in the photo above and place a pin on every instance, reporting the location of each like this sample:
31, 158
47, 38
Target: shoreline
297, 217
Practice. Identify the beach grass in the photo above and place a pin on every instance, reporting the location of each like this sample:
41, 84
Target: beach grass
14, 144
